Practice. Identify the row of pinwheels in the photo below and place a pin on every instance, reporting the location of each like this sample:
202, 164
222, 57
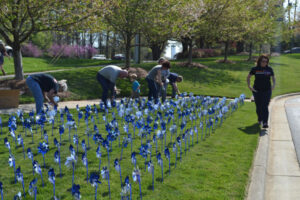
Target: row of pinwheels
187, 120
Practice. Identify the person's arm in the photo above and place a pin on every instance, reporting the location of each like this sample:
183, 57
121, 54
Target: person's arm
174, 85
274, 82
248, 83
158, 78
49, 97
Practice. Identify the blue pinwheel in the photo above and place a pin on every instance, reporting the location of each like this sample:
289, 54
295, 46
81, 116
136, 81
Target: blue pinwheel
136, 176
155, 140
124, 144
61, 131
71, 160
1, 125
175, 150
83, 145
51, 119
98, 155
12, 126
160, 135
118, 168
151, 170
105, 144
167, 154
94, 180
46, 136
126, 190
76, 192
173, 129
12, 163
76, 141
7, 145
160, 163
85, 163
183, 137
105, 175
80, 115
133, 159
144, 153
43, 148
28, 126
30, 156
51, 178
18, 196
57, 160
20, 179
33, 188
70, 124
38, 170
1, 190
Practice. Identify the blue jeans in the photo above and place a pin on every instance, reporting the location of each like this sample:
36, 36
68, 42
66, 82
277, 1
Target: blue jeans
107, 86
163, 91
37, 93
153, 90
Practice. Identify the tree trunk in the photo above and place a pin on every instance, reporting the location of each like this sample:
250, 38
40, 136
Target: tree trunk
226, 50
91, 39
201, 42
240, 47
156, 51
17, 55
139, 49
83, 40
106, 44
185, 44
250, 51
190, 57
127, 50
113, 46
100, 42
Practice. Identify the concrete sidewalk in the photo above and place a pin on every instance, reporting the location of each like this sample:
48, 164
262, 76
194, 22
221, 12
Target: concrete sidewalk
276, 172
69, 104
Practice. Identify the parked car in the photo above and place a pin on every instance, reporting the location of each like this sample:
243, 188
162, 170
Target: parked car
119, 57
9, 50
295, 50
99, 57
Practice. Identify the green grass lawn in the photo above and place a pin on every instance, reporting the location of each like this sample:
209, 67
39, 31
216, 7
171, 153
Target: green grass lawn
218, 79
46, 64
215, 168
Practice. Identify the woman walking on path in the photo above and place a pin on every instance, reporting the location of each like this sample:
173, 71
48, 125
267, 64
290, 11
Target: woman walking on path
44, 86
155, 78
107, 77
2, 54
262, 88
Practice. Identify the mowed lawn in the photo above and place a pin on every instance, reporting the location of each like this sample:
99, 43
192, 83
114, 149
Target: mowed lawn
218, 79
215, 168
47, 64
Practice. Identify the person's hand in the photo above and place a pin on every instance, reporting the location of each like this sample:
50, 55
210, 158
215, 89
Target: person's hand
252, 89
273, 87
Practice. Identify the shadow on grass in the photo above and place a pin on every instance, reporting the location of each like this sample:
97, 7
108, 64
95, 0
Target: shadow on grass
252, 129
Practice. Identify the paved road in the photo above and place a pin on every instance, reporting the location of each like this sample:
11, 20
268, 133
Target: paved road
292, 108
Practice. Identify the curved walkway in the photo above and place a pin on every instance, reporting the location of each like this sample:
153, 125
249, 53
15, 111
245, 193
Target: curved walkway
276, 172
69, 104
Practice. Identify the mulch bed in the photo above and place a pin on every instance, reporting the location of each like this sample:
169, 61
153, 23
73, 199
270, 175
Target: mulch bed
192, 65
